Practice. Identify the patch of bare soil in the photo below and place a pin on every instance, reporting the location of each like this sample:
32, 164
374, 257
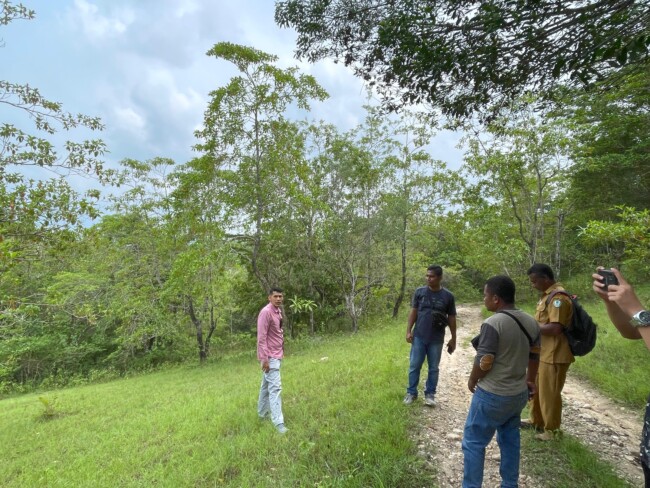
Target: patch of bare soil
608, 429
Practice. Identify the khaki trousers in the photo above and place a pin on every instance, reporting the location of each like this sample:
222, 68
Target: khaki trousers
546, 405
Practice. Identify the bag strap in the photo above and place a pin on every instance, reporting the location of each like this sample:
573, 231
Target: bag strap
530, 339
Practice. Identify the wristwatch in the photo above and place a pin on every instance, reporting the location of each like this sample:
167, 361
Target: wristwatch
641, 319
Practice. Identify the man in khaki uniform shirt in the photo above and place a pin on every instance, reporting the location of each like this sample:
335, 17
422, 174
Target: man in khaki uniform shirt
555, 356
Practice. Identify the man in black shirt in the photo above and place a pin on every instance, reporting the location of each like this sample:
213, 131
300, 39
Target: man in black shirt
433, 309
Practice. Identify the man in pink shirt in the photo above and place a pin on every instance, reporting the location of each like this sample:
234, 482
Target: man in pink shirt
270, 349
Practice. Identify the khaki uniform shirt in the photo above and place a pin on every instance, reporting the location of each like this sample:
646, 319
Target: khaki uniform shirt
555, 349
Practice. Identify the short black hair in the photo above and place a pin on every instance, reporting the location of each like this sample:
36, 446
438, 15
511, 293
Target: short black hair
435, 269
275, 289
543, 270
503, 287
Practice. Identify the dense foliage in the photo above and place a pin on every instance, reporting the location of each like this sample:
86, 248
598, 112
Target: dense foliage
468, 57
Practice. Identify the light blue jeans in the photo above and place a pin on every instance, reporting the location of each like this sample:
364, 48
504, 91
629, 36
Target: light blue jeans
419, 351
270, 400
489, 413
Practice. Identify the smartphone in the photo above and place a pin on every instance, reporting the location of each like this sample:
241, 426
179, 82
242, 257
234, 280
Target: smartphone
609, 278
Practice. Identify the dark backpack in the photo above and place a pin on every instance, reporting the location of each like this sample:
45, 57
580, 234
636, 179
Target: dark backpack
582, 331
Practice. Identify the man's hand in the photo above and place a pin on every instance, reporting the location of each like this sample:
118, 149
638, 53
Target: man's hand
265, 366
471, 384
409, 337
451, 345
599, 286
532, 389
623, 295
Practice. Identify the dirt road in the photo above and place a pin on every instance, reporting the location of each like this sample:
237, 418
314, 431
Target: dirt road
607, 428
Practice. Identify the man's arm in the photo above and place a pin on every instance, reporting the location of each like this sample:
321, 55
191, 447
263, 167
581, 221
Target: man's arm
262, 334
551, 329
533, 366
531, 376
476, 374
413, 315
485, 352
554, 327
622, 303
451, 345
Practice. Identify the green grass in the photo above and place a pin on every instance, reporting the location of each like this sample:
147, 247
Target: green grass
566, 463
198, 426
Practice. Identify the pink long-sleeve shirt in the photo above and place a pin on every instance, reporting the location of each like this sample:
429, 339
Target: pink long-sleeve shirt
270, 336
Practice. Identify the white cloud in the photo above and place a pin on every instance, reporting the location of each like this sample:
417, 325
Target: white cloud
160, 89
141, 66
185, 7
130, 121
98, 27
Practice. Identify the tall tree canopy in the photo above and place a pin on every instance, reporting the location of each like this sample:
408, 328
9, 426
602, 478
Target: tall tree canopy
463, 56
247, 135
612, 150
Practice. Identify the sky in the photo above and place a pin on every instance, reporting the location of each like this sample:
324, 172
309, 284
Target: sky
140, 65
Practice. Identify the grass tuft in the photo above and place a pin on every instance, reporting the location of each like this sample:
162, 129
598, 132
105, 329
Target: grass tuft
49, 410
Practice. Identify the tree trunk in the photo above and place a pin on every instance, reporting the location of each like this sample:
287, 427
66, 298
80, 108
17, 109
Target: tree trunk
213, 327
402, 288
199, 330
558, 239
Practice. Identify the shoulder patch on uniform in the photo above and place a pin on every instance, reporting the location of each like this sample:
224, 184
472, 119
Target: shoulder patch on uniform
557, 303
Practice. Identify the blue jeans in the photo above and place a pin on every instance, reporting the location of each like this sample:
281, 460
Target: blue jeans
420, 350
270, 398
489, 413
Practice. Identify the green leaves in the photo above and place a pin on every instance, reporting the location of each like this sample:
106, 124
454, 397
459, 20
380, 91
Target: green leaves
625, 240
10, 12
35, 204
470, 58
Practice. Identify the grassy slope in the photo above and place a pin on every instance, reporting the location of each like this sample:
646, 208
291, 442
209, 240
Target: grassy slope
199, 427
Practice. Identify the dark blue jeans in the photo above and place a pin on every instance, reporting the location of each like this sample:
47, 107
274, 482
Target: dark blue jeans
490, 413
419, 351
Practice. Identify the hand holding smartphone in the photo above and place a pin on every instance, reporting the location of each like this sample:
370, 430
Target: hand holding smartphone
608, 278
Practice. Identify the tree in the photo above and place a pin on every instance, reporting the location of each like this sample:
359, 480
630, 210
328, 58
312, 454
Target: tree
417, 185
468, 57
612, 147
248, 137
205, 268
623, 241
521, 170
12, 12
35, 195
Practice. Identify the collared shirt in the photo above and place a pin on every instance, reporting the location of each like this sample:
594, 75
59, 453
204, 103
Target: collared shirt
270, 336
555, 348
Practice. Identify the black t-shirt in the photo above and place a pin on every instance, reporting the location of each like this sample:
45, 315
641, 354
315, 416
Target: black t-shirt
434, 308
